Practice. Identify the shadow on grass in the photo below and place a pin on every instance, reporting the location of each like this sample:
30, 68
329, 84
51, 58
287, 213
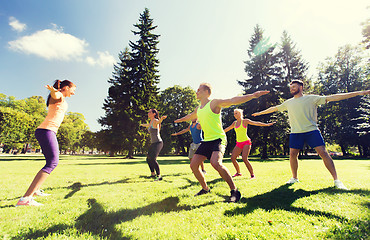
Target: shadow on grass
96, 221
283, 197
209, 183
77, 186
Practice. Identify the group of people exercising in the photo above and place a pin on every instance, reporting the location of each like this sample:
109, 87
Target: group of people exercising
206, 118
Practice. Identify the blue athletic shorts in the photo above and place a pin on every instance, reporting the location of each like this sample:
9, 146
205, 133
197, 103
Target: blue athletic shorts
313, 139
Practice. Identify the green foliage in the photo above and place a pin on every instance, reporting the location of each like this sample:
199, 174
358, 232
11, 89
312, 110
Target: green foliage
88, 140
71, 131
19, 119
343, 122
272, 70
96, 197
176, 102
16, 127
133, 90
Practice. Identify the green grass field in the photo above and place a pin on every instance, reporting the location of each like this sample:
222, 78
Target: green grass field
99, 197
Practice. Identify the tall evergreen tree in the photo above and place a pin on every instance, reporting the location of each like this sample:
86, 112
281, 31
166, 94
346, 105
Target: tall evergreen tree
133, 89
293, 67
263, 73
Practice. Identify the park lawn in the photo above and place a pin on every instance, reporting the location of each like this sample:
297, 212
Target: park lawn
99, 197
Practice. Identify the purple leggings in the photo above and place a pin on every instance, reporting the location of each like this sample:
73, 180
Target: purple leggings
50, 148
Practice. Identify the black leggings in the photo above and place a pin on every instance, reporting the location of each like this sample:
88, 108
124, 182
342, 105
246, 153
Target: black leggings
153, 153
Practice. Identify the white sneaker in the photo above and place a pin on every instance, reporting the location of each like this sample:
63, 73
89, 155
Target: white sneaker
292, 181
41, 193
28, 201
338, 184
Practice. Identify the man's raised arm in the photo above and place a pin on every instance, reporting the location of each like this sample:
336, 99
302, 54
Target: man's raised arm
188, 117
266, 111
342, 96
224, 103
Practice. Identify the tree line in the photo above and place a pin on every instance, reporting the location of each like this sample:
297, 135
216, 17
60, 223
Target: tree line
20, 118
134, 90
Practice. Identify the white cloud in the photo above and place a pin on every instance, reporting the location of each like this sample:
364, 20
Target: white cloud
51, 44
104, 59
16, 25
54, 44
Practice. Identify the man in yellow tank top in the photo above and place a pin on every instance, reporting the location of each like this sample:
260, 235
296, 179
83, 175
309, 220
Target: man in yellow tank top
214, 142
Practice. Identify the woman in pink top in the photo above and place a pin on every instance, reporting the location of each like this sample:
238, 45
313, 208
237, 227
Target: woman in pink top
243, 142
46, 136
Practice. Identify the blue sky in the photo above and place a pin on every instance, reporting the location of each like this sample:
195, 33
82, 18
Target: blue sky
201, 41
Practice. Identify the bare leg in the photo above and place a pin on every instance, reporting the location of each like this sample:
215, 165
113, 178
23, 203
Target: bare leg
36, 183
201, 165
245, 154
293, 158
328, 161
194, 165
216, 161
236, 152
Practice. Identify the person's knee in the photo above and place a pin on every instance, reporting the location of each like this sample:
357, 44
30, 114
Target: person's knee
50, 166
194, 165
216, 165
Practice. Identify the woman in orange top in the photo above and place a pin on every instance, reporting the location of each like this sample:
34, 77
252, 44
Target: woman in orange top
243, 142
46, 136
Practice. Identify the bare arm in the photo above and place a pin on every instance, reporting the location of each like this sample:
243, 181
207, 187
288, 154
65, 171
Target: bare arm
54, 93
224, 103
145, 124
256, 123
266, 111
229, 127
157, 122
342, 96
182, 131
188, 117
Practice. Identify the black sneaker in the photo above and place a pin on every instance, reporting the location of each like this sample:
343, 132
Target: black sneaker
235, 196
201, 192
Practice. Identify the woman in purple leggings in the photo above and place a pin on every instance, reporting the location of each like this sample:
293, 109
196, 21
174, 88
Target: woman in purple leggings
46, 136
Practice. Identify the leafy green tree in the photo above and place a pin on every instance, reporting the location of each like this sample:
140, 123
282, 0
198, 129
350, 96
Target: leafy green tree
30, 108
70, 132
88, 141
133, 91
15, 127
103, 143
176, 102
344, 73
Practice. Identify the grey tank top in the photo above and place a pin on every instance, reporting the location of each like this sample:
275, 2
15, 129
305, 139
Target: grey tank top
154, 134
